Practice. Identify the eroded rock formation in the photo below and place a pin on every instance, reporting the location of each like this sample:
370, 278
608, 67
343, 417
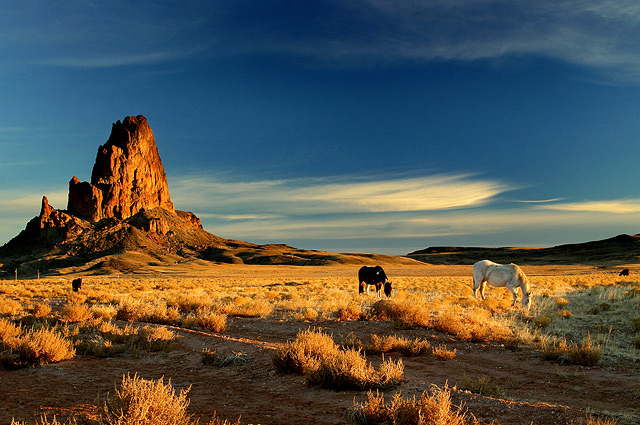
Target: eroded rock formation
127, 176
124, 220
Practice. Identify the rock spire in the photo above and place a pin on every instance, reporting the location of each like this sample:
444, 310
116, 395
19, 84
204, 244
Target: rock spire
127, 176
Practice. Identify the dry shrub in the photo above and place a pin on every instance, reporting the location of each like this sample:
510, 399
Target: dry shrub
142, 402
8, 330
97, 346
156, 338
349, 370
443, 353
44, 346
404, 346
9, 307
591, 420
190, 303
587, 353
117, 334
402, 313
76, 298
106, 312
430, 409
351, 311
41, 310
210, 320
303, 353
451, 322
147, 311
73, 313
308, 314
249, 308
217, 421
45, 421
474, 324
564, 313
315, 354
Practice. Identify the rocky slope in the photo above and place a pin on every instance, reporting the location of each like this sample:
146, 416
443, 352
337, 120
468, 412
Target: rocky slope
124, 220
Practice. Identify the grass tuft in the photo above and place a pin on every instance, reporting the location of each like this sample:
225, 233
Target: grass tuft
432, 409
315, 354
142, 402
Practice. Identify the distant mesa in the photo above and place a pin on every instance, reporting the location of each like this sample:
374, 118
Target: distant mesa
621, 249
124, 221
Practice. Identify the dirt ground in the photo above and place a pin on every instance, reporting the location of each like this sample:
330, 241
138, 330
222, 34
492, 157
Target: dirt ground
535, 391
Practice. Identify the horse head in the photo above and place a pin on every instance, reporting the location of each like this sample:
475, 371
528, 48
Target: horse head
387, 288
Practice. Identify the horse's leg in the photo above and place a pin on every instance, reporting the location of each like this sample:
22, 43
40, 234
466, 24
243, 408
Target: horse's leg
514, 291
476, 285
483, 284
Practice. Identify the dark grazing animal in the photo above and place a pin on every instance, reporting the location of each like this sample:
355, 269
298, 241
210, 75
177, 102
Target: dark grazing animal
373, 276
624, 272
76, 284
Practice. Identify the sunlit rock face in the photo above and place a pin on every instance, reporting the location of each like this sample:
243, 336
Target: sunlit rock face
127, 176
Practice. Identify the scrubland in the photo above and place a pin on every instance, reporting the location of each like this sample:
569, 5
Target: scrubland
579, 316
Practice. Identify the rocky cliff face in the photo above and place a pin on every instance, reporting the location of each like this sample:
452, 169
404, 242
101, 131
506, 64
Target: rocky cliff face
127, 176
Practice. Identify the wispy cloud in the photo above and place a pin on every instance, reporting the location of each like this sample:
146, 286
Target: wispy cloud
342, 208
338, 195
593, 33
597, 34
626, 206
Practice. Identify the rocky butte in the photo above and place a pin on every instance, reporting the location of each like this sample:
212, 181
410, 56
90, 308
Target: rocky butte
124, 220
127, 176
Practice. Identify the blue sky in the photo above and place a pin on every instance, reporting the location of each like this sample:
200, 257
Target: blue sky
370, 126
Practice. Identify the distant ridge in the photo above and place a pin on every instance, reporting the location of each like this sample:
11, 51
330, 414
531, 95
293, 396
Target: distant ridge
621, 249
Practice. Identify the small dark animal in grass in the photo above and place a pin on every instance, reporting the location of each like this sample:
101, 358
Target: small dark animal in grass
373, 276
76, 284
624, 272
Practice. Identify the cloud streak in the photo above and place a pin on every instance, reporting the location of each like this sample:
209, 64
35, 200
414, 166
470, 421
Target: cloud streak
627, 206
339, 195
593, 33
343, 209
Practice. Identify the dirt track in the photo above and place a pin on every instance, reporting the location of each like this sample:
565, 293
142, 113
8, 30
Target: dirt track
535, 391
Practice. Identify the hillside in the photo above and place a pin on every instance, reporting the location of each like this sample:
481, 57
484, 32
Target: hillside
123, 220
621, 249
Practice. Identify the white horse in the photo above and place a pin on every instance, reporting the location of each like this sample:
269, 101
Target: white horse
501, 275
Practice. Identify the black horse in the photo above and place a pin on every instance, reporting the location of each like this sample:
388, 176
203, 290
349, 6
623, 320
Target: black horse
373, 276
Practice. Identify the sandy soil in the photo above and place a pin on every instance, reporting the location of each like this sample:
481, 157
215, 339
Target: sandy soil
536, 391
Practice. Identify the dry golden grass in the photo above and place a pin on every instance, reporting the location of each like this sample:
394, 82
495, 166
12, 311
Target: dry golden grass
432, 409
572, 304
315, 354
141, 402
43, 346
73, 312
206, 319
406, 347
44, 420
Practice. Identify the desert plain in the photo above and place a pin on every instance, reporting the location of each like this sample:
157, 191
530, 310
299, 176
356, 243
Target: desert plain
571, 359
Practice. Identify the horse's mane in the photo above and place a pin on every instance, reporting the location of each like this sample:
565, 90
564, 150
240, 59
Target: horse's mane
522, 277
